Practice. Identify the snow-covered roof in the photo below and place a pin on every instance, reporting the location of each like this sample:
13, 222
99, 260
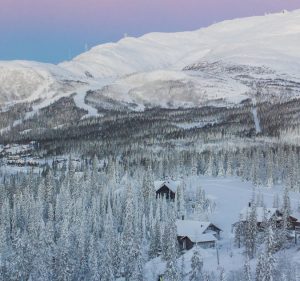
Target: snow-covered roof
172, 185
192, 228
207, 237
261, 212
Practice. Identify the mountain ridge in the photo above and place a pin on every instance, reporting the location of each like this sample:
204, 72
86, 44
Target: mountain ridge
157, 68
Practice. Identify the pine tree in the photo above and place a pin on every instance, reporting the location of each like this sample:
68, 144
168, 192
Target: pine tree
286, 211
129, 241
172, 273
270, 261
180, 202
94, 259
107, 257
251, 231
260, 268
270, 179
247, 270
239, 233
266, 264
197, 266
209, 169
138, 274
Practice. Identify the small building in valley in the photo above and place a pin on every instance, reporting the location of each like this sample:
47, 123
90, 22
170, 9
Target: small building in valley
191, 233
166, 189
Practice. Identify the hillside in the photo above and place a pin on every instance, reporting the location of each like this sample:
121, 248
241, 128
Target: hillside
226, 62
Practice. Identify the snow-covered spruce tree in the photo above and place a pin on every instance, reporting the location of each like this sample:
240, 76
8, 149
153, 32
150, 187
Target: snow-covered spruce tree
286, 212
265, 269
16, 269
194, 166
260, 268
286, 202
138, 271
64, 262
155, 235
229, 170
5, 243
107, 273
94, 259
42, 265
180, 200
116, 253
197, 266
255, 169
270, 241
210, 164
172, 272
239, 233
270, 261
165, 243
247, 270
270, 161
251, 231
148, 189
221, 164
129, 238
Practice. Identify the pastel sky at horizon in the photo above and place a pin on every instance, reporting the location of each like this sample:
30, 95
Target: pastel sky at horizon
57, 30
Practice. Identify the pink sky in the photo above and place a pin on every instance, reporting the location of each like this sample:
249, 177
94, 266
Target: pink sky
67, 24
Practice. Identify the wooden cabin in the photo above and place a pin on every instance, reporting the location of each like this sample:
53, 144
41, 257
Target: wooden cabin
266, 214
166, 189
191, 233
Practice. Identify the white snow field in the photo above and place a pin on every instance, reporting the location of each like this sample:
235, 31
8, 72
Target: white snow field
218, 60
231, 195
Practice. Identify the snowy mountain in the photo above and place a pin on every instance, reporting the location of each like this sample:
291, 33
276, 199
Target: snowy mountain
225, 63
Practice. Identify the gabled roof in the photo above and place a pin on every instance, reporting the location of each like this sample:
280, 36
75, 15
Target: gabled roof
172, 185
207, 237
261, 213
194, 230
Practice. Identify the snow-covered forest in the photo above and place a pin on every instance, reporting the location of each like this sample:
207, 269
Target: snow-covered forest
101, 219
207, 193
168, 157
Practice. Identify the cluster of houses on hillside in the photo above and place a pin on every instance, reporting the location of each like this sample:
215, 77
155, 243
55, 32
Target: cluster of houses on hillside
18, 154
189, 232
205, 233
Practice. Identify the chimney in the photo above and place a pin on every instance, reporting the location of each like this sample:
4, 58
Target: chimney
249, 204
182, 217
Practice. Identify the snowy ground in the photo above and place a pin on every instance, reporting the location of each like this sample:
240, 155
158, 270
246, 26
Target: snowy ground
231, 196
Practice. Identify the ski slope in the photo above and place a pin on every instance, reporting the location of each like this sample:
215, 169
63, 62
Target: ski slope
256, 121
214, 64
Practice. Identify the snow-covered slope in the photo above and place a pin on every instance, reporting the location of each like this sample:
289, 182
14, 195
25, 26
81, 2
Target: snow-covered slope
26, 80
227, 61
271, 40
